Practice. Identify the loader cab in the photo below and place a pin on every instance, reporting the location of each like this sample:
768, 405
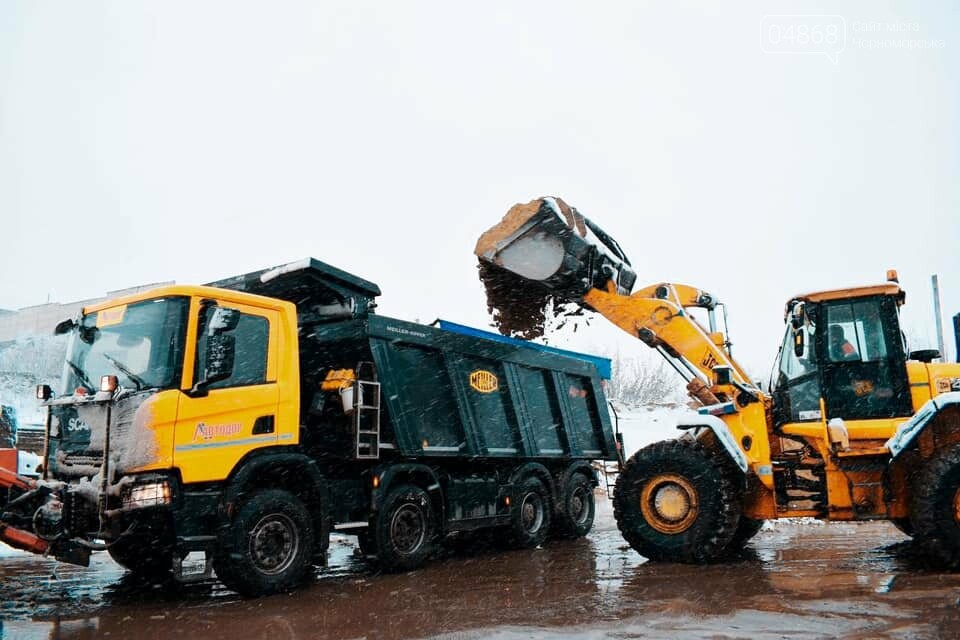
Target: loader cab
846, 347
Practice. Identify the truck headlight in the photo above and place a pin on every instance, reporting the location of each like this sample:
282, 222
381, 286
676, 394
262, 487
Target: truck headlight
150, 494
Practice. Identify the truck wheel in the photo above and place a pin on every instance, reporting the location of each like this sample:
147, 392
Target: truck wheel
529, 515
268, 546
576, 513
935, 508
142, 555
746, 529
405, 529
674, 502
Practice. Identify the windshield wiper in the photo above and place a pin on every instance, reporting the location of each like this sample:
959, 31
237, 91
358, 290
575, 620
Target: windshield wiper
137, 380
82, 375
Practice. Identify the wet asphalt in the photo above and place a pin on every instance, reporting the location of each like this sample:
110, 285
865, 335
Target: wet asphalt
793, 581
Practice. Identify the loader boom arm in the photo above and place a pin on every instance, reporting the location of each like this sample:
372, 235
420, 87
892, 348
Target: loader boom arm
546, 249
659, 316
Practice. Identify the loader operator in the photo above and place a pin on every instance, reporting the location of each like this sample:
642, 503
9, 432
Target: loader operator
840, 348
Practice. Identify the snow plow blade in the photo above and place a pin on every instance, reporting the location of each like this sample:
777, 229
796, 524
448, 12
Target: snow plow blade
549, 242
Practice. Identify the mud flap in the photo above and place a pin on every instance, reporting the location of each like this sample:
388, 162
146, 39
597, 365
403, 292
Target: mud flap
908, 431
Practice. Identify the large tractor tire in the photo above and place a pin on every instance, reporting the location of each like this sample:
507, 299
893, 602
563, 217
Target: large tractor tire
935, 508
530, 514
268, 548
674, 502
577, 508
746, 529
405, 529
903, 525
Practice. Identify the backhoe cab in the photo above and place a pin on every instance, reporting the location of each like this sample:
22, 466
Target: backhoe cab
854, 426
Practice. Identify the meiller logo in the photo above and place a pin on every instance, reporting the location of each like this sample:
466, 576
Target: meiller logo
484, 381
210, 431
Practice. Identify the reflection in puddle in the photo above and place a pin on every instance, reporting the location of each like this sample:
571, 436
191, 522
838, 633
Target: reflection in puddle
794, 580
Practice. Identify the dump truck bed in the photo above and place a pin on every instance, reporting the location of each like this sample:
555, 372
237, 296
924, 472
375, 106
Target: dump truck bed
450, 394
445, 392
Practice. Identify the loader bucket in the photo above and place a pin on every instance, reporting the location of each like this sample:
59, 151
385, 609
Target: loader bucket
545, 250
549, 242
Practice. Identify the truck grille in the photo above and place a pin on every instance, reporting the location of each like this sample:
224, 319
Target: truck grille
80, 464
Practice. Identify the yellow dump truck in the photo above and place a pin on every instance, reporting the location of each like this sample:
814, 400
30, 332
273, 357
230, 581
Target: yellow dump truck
248, 419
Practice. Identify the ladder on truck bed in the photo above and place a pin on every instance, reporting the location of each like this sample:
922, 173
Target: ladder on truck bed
366, 414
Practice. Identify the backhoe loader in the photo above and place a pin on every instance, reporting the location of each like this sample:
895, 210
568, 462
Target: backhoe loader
853, 426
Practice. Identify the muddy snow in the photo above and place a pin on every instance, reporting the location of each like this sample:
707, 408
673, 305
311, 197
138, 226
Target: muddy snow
796, 581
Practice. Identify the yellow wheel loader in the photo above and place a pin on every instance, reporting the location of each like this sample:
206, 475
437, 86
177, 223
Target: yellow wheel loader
853, 427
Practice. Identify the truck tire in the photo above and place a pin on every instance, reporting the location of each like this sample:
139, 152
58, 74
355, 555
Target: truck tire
577, 509
143, 555
530, 514
673, 501
269, 545
746, 529
405, 529
935, 508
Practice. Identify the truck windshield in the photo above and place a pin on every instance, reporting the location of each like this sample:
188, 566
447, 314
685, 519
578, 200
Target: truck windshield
140, 343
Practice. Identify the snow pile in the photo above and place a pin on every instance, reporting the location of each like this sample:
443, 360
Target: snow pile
646, 424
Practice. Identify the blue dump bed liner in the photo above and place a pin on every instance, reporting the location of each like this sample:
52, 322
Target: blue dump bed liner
603, 365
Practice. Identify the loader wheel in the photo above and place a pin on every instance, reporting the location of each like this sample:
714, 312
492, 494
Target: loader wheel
405, 529
903, 525
576, 513
935, 508
746, 529
269, 545
529, 515
673, 501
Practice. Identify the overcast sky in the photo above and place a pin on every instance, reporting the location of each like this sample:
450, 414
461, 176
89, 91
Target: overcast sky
190, 141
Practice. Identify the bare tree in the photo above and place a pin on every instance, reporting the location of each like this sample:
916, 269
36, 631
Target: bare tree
644, 380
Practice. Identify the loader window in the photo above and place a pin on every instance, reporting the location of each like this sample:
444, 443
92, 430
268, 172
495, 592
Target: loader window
864, 375
797, 386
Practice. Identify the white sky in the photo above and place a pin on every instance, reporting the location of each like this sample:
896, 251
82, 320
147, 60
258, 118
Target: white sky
191, 141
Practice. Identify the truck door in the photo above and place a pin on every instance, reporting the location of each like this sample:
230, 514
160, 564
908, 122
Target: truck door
862, 360
219, 423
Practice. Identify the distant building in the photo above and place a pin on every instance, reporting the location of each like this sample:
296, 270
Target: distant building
42, 318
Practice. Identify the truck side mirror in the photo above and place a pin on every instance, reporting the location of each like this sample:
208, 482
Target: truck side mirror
223, 320
221, 353
63, 327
